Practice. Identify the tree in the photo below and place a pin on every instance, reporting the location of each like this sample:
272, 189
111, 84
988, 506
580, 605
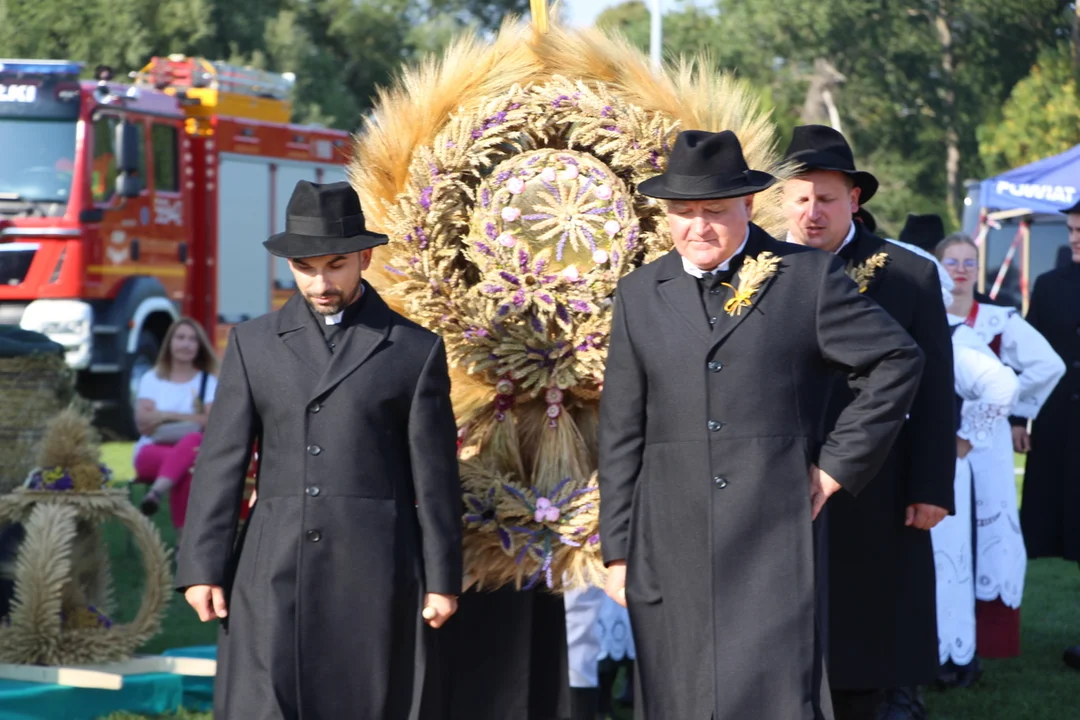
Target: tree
1040, 118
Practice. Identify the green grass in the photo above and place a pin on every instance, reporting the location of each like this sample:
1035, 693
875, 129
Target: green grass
1035, 686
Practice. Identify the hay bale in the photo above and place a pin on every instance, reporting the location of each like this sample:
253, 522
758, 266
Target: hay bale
35, 385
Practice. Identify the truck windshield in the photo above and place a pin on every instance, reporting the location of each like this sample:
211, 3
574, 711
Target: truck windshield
38, 161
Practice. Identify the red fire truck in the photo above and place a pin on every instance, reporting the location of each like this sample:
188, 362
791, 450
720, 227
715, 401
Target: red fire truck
126, 205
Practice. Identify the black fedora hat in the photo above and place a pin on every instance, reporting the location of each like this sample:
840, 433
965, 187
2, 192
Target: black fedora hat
323, 219
706, 166
819, 147
924, 231
1074, 209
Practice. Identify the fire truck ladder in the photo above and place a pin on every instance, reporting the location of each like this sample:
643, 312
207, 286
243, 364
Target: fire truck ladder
211, 87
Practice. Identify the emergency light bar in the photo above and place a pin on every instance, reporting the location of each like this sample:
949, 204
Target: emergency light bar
40, 67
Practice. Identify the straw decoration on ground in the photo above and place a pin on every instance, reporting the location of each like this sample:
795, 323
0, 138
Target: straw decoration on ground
505, 175
63, 591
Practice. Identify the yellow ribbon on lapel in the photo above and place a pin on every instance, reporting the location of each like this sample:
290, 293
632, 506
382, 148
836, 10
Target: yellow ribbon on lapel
741, 299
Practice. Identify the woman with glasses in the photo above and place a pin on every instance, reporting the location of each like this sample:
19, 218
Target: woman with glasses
1000, 557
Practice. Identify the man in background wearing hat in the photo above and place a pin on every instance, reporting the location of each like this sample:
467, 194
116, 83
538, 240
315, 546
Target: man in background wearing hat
355, 539
713, 457
1050, 511
882, 632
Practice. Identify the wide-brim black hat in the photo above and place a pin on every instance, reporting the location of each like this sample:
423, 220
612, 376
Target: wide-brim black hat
706, 166
924, 231
1074, 209
323, 219
819, 147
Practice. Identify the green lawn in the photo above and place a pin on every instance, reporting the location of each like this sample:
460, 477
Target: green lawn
1035, 686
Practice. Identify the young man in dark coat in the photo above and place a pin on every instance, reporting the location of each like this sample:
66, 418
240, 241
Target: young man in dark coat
1050, 511
713, 456
882, 621
355, 538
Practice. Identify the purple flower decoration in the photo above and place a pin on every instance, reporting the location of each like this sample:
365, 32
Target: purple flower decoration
425, 197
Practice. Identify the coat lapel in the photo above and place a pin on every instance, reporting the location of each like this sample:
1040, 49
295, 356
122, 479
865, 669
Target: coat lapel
727, 323
298, 331
862, 247
358, 341
680, 290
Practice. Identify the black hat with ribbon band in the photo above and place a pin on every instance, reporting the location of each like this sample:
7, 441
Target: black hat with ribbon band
706, 166
819, 147
323, 220
1069, 211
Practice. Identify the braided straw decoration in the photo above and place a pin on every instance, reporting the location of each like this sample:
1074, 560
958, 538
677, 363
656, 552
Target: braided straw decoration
43, 572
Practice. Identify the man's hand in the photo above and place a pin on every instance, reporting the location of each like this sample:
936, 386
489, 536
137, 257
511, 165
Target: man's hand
438, 608
822, 486
1021, 439
963, 447
616, 582
923, 516
208, 601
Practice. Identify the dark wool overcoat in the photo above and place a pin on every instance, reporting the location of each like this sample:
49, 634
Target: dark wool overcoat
1050, 511
358, 514
706, 442
881, 594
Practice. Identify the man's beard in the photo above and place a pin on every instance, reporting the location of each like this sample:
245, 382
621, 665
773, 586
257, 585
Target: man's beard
335, 307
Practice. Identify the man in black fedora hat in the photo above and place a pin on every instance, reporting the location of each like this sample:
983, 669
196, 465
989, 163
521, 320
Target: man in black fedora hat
713, 459
881, 591
355, 538
1050, 511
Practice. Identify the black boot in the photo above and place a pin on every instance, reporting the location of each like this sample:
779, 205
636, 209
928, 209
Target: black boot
584, 703
904, 703
1072, 657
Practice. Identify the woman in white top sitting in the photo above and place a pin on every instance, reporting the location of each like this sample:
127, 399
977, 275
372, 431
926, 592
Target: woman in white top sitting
171, 409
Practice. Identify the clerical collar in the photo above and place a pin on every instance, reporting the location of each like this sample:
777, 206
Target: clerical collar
847, 238
337, 317
722, 267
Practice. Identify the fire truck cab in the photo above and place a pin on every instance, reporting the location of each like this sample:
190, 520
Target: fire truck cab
124, 206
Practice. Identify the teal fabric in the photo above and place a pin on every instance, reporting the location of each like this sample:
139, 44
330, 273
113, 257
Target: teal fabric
198, 691
150, 694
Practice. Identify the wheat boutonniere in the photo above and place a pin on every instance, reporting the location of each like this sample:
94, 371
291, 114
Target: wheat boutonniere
752, 274
863, 274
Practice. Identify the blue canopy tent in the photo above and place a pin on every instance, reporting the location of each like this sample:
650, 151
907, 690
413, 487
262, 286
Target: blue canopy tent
1017, 207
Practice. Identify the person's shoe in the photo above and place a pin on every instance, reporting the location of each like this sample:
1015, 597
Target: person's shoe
952, 676
1072, 657
150, 503
903, 704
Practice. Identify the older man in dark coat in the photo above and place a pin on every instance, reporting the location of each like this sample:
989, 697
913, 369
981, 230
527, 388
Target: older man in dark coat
356, 534
1050, 512
713, 453
882, 618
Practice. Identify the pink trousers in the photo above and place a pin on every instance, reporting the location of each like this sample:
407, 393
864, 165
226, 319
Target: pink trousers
175, 463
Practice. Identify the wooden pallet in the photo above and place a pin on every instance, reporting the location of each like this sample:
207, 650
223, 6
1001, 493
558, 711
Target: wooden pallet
108, 676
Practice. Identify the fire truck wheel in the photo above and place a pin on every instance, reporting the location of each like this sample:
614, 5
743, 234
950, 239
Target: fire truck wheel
136, 365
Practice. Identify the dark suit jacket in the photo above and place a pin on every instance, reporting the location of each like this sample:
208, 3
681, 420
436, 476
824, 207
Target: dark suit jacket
706, 440
1050, 511
358, 513
883, 621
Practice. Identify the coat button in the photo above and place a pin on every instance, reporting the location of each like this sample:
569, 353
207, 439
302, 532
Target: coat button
313, 491
1076, 396
715, 366
715, 425
316, 407
712, 320
1076, 364
715, 291
314, 449
720, 482
314, 535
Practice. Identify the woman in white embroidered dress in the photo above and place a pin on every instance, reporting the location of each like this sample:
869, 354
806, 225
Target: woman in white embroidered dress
986, 390
1000, 557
